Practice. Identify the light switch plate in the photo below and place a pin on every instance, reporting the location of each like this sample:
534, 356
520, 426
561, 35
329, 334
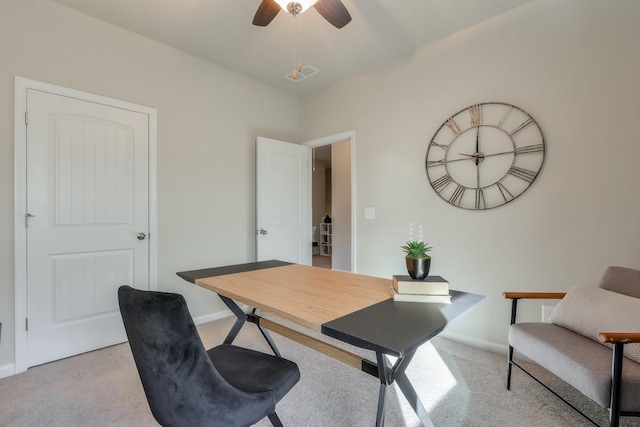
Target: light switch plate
370, 213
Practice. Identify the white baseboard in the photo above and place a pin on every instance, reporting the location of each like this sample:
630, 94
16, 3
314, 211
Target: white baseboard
10, 369
7, 370
212, 316
454, 336
475, 342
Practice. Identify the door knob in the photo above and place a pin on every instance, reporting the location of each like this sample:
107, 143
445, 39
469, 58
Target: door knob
142, 236
263, 231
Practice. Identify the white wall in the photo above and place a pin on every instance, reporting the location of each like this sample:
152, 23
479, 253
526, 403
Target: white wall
208, 119
573, 65
341, 205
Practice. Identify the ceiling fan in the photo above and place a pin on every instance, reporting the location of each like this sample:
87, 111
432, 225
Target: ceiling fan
331, 10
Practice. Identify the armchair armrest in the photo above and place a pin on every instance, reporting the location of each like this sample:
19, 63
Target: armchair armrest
515, 296
619, 337
534, 295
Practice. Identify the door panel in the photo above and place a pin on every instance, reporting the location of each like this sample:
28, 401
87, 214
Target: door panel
88, 189
84, 283
93, 178
283, 201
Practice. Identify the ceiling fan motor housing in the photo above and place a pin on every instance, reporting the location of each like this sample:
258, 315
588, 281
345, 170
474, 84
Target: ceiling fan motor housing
294, 8
331, 10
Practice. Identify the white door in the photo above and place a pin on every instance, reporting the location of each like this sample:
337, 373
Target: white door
88, 192
283, 201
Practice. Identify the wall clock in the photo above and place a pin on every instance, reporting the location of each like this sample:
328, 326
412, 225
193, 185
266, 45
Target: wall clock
485, 156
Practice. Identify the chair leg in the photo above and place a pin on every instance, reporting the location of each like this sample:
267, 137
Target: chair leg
510, 367
616, 382
275, 420
514, 313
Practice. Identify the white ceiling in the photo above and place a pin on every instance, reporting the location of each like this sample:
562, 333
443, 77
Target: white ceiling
220, 31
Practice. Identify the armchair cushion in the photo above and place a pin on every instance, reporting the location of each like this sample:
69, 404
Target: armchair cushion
589, 310
577, 360
622, 280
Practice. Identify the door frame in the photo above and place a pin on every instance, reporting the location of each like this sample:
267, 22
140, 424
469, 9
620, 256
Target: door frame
332, 139
21, 86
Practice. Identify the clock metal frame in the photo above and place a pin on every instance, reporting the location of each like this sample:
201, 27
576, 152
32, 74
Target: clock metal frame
512, 133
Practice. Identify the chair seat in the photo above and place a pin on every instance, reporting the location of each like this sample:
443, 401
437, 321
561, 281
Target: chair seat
254, 372
579, 361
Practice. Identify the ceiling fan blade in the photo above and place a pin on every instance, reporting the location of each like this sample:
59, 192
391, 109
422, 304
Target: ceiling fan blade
334, 12
267, 10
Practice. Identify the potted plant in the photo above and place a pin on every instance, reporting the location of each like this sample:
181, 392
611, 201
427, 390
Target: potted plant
417, 260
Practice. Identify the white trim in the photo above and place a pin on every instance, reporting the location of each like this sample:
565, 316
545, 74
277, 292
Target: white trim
212, 316
500, 349
21, 85
10, 369
153, 198
475, 342
332, 139
7, 370
20, 233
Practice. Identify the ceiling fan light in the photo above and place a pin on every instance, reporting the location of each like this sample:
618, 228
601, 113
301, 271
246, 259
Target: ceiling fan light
304, 4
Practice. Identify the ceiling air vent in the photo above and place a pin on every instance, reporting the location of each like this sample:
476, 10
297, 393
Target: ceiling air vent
306, 72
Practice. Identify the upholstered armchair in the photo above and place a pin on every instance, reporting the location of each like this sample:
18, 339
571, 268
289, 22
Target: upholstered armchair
592, 342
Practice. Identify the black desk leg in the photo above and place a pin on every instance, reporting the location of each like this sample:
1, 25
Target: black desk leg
397, 373
410, 394
243, 317
385, 380
255, 318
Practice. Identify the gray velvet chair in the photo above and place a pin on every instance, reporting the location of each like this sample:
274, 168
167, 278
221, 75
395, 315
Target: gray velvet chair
575, 347
186, 385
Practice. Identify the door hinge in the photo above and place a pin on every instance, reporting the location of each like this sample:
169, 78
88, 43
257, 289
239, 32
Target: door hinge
26, 219
26, 323
26, 118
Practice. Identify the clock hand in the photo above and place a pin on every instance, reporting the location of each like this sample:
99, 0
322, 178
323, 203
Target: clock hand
444, 161
477, 143
488, 155
474, 157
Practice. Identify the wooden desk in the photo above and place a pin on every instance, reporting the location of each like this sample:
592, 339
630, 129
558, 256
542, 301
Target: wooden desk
309, 296
352, 308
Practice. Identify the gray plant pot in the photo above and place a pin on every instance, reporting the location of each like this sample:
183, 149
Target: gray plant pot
418, 268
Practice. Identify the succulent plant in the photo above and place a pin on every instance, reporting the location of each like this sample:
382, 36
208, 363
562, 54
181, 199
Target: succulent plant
416, 249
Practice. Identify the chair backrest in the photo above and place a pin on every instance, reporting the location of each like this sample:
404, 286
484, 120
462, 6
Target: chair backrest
622, 280
182, 386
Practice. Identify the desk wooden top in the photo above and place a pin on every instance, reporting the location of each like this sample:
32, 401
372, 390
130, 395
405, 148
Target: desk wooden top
350, 307
292, 292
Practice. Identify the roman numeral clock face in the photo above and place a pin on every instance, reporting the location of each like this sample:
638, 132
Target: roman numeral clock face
485, 156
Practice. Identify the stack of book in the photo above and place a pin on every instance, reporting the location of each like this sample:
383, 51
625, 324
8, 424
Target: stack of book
430, 289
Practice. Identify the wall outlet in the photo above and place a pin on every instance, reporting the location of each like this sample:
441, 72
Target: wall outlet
546, 313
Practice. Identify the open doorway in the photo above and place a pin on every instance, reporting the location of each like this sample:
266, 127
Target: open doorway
333, 195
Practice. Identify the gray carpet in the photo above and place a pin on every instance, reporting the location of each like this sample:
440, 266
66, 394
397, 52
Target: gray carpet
459, 385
